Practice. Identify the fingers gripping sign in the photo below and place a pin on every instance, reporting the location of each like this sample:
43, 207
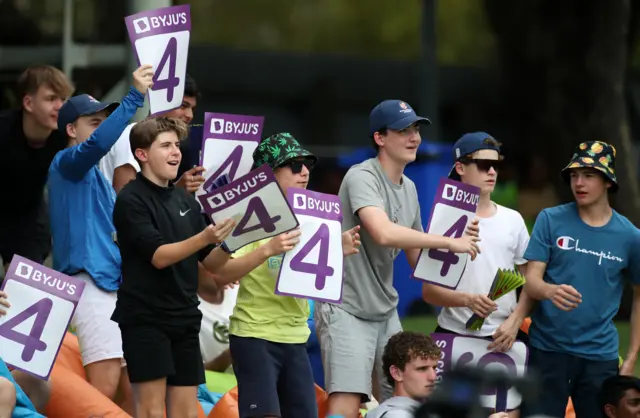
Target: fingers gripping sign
453, 216
161, 38
217, 233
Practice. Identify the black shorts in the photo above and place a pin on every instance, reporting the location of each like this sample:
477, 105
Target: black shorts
153, 352
274, 379
27, 235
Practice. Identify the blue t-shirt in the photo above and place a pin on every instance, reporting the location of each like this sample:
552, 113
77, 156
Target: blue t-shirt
592, 260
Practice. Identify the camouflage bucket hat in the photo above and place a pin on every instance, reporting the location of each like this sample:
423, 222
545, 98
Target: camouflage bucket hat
278, 149
597, 155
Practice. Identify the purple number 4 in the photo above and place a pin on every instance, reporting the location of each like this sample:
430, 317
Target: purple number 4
31, 342
447, 257
321, 270
169, 57
265, 221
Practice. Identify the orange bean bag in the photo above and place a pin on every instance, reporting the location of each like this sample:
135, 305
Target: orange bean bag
570, 413
227, 406
69, 355
72, 396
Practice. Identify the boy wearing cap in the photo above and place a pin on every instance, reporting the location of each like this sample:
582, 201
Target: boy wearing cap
377, 195
81, 207
504, 238
268, 332
577, 255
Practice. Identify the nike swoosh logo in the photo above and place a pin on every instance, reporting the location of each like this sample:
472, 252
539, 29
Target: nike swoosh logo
184, 213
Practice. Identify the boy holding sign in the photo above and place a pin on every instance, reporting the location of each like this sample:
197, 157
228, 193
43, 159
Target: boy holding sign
504, 237
162, 237
377, 195
119, 166
268, 332
578, 256
81, 203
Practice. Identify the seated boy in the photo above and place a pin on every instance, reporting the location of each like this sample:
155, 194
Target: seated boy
162, 237
409, 362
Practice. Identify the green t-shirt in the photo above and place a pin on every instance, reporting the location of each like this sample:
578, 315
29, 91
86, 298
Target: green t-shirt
260, 313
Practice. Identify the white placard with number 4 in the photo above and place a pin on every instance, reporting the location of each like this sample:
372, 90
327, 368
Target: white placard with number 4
161, 38
443, 267
313, 269
169, 51
32, 344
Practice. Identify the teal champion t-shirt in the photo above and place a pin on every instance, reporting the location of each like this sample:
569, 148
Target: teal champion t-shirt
592, 260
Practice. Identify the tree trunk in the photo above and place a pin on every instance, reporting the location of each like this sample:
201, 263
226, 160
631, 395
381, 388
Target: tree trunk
565, 63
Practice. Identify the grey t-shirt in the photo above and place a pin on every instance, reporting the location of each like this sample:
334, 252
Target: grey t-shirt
368, 291
396, 407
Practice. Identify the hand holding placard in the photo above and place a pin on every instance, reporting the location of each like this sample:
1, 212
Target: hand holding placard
351, 241
143, 78
4, 302
283, 243
215, 234
452, 216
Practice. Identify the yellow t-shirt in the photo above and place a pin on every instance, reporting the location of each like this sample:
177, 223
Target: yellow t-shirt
260, 313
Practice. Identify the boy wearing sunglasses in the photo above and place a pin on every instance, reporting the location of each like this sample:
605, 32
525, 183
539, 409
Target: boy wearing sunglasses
503, 241
268, 332
377, 195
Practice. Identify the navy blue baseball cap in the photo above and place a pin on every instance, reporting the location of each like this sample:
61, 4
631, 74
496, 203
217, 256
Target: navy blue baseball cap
470, 143
393, 114
81, 105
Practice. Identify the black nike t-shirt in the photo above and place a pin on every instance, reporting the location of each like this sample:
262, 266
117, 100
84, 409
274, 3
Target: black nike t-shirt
147, 216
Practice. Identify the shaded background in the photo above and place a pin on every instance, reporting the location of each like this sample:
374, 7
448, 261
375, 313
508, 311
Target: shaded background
539, 75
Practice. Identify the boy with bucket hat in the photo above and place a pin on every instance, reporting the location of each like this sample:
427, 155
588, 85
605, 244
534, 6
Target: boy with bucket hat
268, 332
577, 255
378, 196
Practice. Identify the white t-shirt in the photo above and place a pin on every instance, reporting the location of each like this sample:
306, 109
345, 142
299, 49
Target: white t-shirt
119, 155
214, 331
504, 239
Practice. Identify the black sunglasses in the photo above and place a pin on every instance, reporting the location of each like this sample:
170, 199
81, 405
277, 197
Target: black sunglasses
484, 165
296, 165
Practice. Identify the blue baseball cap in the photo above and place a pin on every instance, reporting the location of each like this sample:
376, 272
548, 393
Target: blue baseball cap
393, 114
81, 105
468, 144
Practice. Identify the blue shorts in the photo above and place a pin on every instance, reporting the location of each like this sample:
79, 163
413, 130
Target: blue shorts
274, 379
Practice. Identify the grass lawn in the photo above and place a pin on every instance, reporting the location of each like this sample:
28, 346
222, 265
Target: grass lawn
428, 323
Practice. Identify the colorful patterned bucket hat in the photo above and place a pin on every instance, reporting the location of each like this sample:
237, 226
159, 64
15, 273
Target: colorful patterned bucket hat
597, 155
278, 149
